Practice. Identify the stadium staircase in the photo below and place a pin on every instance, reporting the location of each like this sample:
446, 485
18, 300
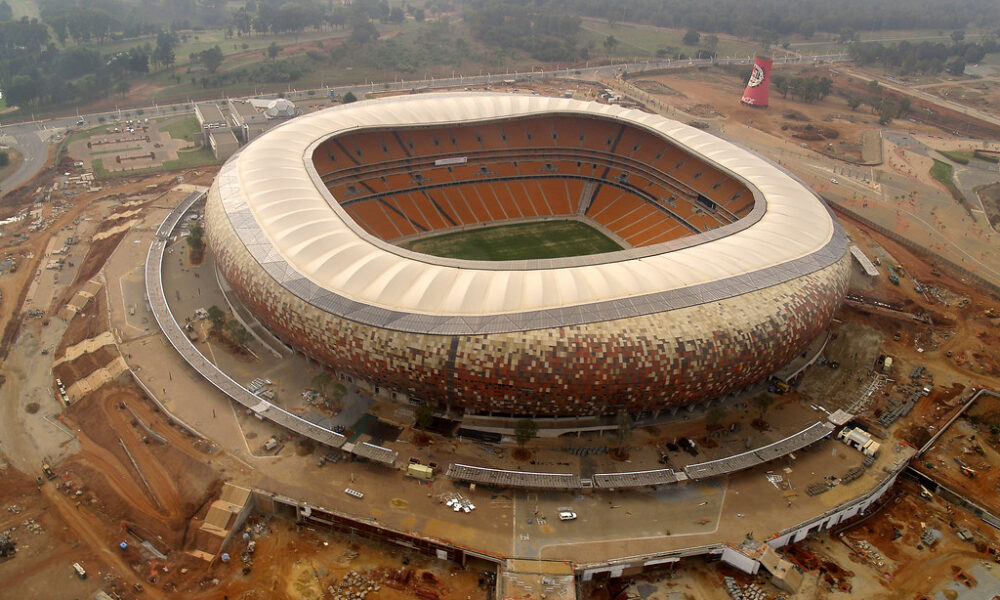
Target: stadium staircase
586, 197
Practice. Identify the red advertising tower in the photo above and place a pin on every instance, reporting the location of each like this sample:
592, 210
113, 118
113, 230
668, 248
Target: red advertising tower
760, 81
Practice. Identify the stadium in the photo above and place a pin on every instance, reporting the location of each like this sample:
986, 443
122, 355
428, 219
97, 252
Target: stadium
520, 255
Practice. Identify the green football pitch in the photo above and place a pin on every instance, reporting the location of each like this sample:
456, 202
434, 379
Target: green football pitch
544, 239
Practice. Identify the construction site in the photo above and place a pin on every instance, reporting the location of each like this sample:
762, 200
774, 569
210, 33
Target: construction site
125, 472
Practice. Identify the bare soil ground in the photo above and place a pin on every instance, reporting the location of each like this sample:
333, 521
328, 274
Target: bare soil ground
296, 562
990, 197
827, 126
46, 547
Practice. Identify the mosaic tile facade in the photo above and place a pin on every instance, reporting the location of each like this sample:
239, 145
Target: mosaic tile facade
642, 363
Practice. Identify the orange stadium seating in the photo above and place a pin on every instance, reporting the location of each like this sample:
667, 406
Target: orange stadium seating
533, 168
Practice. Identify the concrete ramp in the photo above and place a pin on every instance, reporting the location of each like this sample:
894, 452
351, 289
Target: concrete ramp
225, 516
552, 580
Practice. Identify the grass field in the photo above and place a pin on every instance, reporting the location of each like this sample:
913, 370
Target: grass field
546, 239
188, 159
962, 157
942, 171
183, 129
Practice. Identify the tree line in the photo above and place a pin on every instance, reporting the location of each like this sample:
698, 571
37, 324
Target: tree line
756, 18
907, 58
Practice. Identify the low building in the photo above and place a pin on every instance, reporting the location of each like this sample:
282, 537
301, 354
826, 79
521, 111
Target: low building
223, 143
210, 116
248, 122
253, 117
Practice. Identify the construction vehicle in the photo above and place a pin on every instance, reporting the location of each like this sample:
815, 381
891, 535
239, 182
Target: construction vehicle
965, 469
47, 470
993, 551
925, 493
963, 577
991, 313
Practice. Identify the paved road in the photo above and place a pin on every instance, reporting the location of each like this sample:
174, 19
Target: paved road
32, 138
32, 142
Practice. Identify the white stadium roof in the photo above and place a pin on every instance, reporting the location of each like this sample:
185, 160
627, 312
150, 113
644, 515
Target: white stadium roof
295, 220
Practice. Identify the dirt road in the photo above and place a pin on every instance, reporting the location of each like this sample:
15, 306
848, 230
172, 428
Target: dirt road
79, 522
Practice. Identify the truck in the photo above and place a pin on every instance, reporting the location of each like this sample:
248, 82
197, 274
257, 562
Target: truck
892, 277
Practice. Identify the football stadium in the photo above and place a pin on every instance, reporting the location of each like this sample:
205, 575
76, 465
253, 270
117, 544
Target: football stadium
520, 255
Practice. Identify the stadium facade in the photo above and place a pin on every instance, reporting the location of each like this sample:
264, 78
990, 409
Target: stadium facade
729, 266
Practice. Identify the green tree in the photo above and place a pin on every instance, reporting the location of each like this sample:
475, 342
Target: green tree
166, 41
780, 83
349, 97
763, 402
712, 43
323, 382
610, 42
238, 332
904, 106
6, 12
887, 111
273, 50
211, 58
423, 417
854, 102
623, 421
691, 37
4, 158
196, 238
419, 15
713, 419
524, 431
956, 66
363, 31
216, 316
958, 36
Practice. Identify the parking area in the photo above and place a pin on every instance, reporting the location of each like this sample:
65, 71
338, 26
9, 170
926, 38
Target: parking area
131, 144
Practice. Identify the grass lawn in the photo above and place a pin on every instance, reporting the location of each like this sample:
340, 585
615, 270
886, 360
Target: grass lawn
545, 239
182, 129
185, 160
115, 151
962, 157
644, 40
942, 172
23, 8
